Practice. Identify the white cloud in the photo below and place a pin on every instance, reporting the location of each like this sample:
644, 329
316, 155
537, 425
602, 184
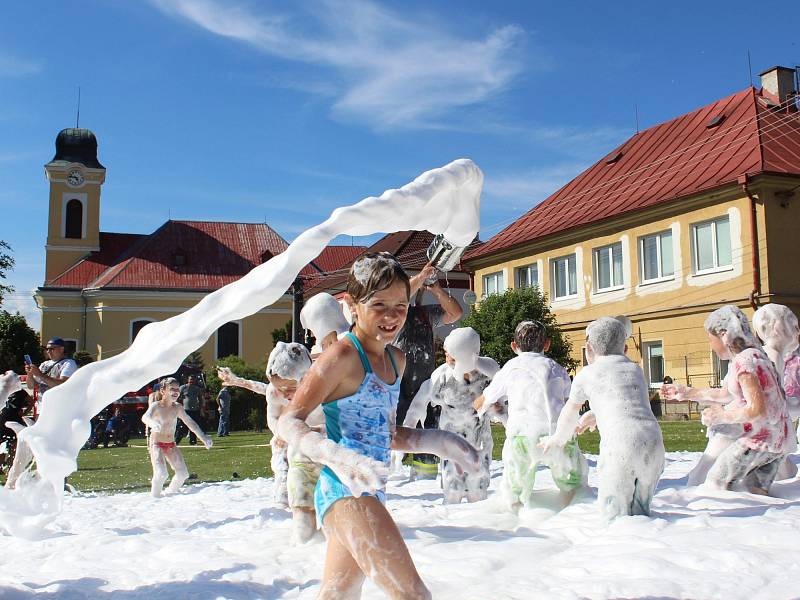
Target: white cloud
23, 302
12, 66
388, 70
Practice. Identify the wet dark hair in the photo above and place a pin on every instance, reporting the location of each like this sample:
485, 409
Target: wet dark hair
530, 336
374, 272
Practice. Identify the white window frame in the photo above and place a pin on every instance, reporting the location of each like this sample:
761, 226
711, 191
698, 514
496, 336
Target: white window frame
240, 340
554, 280
528, 269
659, 262
130, 326
83, 198
646, 346
596, 267
500, 284
714, 246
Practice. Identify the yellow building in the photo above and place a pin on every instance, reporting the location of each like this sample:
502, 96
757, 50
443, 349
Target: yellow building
101, 288
686, 216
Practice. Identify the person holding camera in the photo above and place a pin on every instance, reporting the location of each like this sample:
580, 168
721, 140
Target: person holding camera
52, 372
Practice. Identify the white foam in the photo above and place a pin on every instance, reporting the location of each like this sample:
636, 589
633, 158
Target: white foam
322, 314
288, 361
444, 200
464, 345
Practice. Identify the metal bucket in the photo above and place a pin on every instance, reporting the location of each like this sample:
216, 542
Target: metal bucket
443, 255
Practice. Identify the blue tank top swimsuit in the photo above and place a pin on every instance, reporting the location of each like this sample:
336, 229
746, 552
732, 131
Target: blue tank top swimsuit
360, 422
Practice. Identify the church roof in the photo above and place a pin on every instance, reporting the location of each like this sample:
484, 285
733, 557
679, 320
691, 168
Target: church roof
185, 256
75, 145
743, 134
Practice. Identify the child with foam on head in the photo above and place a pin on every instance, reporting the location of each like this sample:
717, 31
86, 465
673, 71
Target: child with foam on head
631, 445
357, 382
536, 387
162, 417
777, 327
295, 474
749, 437
454, 386
323, 315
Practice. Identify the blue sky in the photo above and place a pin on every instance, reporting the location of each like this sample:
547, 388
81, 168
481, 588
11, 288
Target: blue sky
246, 111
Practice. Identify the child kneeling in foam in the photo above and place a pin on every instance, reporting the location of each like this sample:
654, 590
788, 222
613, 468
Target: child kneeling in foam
631, 444
454, 386
295, 474
536, 387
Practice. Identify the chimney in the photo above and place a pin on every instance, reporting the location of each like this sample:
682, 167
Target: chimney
779, 83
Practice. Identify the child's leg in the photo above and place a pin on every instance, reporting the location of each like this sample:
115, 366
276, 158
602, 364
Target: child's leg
363, 528
760, 479
454, 486
615, 489
478, 484
175, 460
301, 481
159, 470
734, 464
568, 468
717, 444
279, 464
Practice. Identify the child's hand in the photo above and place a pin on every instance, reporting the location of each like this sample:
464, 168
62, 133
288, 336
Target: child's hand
548, 442
225, 375
675, 392
362, 474
713, 415
587, 422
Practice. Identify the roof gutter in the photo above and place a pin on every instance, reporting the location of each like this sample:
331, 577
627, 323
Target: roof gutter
755, 293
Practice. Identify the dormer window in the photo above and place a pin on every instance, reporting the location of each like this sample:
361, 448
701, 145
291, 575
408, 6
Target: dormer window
180, 259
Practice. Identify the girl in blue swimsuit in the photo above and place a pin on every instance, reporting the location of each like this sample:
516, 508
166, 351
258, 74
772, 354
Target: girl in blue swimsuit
357, 381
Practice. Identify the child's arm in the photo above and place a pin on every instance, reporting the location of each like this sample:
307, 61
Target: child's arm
329, 377
230, 379
494, 393
587, 422
194, 427
444, 444
567, 420
417, 408
681, 393
147, 419
755, 404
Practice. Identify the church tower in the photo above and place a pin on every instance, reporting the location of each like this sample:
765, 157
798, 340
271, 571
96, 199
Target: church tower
75, 177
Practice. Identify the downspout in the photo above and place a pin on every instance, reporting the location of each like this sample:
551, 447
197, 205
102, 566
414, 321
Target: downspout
83, 321
755, 293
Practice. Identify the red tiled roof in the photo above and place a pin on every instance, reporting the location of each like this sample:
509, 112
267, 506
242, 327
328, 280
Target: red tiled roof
214, 254
408, 246
666, 162
112, 246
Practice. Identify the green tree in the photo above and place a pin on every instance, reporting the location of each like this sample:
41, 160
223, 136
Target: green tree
16, 340
6, 264
248, 409
496, 317
82, 358
282, 334
195, 360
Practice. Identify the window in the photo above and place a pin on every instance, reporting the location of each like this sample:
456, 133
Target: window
228, 340
73, 227
493, 283
653, 355
711, 245
608, 267
720, 369
528, 276
136, 327
655, 253
565, 278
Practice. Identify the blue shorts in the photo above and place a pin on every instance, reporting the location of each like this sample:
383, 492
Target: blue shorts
329, 490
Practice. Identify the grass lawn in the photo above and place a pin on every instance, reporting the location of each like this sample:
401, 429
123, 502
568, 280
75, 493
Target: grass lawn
247, 454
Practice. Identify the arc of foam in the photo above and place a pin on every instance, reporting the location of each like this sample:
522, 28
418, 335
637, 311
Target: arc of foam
444, 200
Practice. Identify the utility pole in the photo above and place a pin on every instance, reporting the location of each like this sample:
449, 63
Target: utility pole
297, 306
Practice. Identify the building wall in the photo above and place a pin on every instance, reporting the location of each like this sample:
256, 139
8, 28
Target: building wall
781, 199
671, 310
109, 316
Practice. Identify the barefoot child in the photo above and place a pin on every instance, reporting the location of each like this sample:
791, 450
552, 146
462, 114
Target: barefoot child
631, 445
357, 382
295, 475
536, 387
454, 386
161, 417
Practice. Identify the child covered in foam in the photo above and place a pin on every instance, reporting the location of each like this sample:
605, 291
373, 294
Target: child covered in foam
748, 419
323, 315
357, 383
162, 417
536, 387
631, 445
295, 474
454, 386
